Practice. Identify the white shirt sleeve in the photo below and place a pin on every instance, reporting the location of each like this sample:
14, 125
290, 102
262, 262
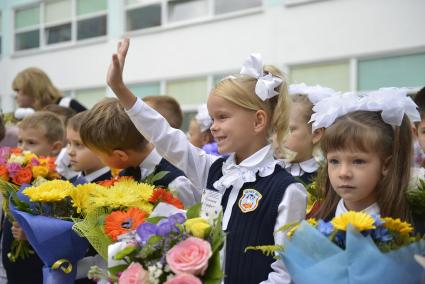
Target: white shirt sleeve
172, 144
291, 209
185, 191
62, 163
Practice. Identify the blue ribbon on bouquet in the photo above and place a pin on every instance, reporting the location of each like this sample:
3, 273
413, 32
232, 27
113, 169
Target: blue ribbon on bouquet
311, 257
54, 241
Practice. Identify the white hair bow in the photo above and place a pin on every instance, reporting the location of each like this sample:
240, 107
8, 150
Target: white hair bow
392, 102
266, 83
314, 93
203, 118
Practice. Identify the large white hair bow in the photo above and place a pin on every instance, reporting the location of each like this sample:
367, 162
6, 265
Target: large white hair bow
203, 118
314, 93
266, 83
392, 102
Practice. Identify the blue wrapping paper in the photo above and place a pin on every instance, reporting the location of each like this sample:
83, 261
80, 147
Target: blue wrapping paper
310, 257
52, 239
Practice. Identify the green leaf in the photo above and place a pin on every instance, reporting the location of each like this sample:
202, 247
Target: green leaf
214, 273
116, 269
154, 220
194, 211
152, 178
125, 252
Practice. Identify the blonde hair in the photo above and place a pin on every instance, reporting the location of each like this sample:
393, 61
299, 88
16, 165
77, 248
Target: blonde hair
168, 107
76, 121
240, 90
307, 106
49, 122
367, 132
35, 83
65, 113
107, 127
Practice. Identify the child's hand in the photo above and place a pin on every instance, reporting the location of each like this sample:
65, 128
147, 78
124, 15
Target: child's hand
114, 76
18, 233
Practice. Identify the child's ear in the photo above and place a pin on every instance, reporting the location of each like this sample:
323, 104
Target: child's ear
120, 155
260, 120
386, 165
317, 135
57, 147
414, 130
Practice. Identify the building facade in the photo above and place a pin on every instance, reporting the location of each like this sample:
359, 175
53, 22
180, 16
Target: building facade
182, 47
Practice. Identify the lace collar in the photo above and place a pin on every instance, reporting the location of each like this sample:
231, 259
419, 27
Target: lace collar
261, 162
298, 169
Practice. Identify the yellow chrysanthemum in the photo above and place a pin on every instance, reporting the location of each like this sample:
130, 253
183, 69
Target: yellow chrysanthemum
39, 171
80, 196
359, 220
397, 225
29, 156
50, 191
126, 193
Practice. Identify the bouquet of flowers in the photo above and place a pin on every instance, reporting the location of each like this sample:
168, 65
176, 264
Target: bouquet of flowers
353, 248
115, 207
46, 219
18, 167
416, 192
172, 249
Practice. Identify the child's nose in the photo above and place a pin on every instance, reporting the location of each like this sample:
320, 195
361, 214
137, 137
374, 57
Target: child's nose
345, 171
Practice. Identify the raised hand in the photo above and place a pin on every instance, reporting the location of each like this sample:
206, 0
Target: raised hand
114, 76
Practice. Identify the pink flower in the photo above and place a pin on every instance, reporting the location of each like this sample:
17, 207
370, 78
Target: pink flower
189, 256
13, 168
184, 278
134, 274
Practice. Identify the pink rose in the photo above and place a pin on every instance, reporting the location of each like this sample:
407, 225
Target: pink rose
184, 278
134, 274
189, 256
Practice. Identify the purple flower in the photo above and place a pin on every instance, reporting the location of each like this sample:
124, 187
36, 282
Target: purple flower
35, 162
13, 169
177, 218
378, 220
146, 230
2, 160
326, 228
4, 152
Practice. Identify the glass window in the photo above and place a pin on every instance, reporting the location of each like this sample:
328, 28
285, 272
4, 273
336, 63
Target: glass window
58, 11
27, 40
92, 27
144, 17
146, 89
58, 33
89, 97
332, 75
188, 92
0, 31
29, 17
395, 71
187, 9
187, 116
87, 7
227, 6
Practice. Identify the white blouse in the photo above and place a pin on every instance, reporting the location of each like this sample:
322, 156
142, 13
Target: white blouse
172, 144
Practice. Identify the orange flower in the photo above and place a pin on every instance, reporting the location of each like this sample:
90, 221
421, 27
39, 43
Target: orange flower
120, 222
162, 195
4, 174
15, 151
24, 175
112, 181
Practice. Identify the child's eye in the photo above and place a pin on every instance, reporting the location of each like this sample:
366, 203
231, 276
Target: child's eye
333, 161
359, 161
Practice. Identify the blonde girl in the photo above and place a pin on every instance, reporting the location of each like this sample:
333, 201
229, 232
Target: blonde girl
255, 192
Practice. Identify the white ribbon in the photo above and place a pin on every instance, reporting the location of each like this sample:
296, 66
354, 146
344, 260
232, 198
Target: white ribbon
203, 118
392, 102
266, 83
314, 93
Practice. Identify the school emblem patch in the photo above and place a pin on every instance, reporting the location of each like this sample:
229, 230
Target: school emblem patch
249, 200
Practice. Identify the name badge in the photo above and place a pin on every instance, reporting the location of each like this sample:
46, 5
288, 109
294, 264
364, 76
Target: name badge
211, 204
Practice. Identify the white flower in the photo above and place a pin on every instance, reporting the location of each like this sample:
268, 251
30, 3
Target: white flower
416, 174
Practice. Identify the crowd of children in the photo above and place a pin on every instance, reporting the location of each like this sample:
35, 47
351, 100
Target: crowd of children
363, 142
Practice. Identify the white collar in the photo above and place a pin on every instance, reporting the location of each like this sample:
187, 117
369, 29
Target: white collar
298, 169
149, 163
261, 162
371, 209
94, 175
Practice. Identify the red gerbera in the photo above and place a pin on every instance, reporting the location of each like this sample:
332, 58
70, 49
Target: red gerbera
121, 222
162, 195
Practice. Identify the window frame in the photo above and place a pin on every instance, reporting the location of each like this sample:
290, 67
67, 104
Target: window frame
42, 26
